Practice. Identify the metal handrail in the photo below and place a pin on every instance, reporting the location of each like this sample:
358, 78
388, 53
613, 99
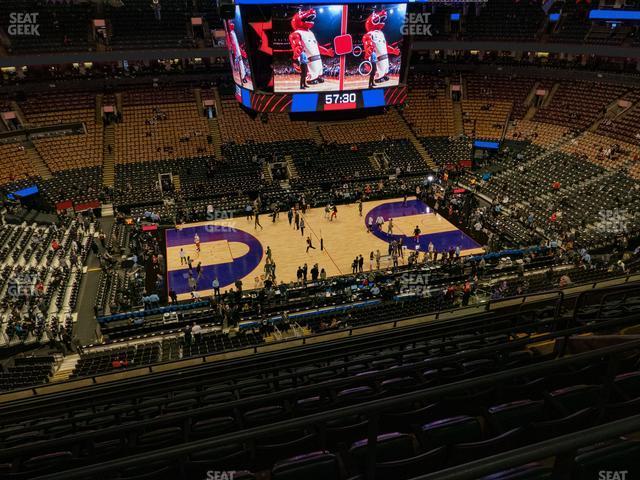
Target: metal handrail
554, 447
371, 409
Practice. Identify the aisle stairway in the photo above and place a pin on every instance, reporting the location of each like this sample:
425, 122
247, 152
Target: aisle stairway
66, 368
316, 136
291, 167
552, 93
197, 93
109, 158
19, 114
99, 103
216, 136
530, 113
414, 140
457, 118
37, 161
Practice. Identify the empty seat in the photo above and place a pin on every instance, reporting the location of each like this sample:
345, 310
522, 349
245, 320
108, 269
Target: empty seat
320, 465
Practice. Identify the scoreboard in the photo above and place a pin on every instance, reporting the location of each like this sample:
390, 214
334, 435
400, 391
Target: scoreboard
315, 57
322, 101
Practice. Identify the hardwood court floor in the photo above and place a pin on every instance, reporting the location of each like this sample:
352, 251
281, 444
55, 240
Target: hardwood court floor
233, 248
291, 83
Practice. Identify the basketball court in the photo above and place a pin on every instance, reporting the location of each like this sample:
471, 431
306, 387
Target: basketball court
233, 249
291, 83
361, 82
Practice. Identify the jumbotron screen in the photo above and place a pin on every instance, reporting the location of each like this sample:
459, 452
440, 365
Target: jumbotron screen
317, 57
344, 47
240, 66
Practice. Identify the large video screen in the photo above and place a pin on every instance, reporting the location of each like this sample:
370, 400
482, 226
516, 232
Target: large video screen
238, 55
321, 48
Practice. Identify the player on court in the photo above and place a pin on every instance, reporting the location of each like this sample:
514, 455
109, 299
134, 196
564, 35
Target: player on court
196, 240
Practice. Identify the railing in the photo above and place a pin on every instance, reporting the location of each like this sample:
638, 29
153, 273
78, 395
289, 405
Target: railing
201, 374
491, 305
288, 396
562, 449
372, 411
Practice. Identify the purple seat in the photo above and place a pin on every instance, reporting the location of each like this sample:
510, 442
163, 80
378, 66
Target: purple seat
355, 394
318, 465
469, 451
514, 414
450, 431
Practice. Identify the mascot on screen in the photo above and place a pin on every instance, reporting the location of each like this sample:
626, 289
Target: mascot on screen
302, 39
237, 52
374, 40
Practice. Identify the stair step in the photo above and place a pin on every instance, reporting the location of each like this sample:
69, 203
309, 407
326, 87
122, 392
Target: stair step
37, 161
109, 158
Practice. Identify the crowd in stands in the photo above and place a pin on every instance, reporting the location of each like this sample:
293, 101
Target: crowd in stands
549, 185
42, 267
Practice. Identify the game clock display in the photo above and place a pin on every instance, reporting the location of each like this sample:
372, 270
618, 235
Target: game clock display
321, 101
340, 100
